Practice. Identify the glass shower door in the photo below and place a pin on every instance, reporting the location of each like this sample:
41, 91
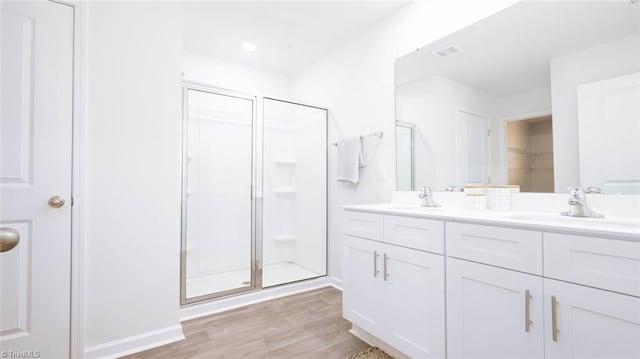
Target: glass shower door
217, 209
294, 207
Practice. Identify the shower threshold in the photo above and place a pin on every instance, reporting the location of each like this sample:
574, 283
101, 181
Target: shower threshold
272, 274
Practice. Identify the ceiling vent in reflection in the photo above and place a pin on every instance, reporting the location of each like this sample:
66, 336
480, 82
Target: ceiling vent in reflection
447, 51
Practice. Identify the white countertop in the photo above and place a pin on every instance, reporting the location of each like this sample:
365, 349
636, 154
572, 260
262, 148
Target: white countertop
612, 227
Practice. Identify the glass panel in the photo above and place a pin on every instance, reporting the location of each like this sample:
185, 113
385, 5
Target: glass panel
295, 193
218, 169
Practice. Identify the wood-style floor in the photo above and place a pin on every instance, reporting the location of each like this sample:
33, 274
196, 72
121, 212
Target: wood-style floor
307, 325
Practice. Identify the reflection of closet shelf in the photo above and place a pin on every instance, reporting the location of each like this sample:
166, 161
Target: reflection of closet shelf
284, 238
284, 190
285, 162
527, 152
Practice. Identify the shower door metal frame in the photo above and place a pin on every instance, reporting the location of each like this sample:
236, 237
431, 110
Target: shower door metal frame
256, 184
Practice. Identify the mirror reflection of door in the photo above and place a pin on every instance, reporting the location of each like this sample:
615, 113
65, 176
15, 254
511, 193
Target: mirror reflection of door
473, 148
530, 154
405, 134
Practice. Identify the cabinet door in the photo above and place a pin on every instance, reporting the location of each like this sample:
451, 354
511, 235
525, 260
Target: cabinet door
590, 323
362, 284
487, 311
414, 291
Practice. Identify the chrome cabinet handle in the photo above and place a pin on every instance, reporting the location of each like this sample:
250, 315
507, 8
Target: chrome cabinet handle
527, 310
554, 318
56, 202
375, 264
9, 238
384, 267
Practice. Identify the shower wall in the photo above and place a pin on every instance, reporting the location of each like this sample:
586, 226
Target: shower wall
294, 203
213, 207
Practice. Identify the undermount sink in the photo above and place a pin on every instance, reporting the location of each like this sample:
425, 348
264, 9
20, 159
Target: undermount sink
589, 221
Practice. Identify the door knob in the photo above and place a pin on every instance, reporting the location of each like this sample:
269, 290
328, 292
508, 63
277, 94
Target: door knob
9, 238
56, 202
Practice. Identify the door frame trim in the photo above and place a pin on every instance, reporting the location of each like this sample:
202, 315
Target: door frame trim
79, 111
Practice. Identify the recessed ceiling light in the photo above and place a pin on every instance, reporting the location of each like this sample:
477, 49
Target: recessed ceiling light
249, 46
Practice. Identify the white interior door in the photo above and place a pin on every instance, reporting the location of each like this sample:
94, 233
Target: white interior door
35, 165
609, 133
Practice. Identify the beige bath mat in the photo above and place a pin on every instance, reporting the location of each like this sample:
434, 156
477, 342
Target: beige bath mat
371, 353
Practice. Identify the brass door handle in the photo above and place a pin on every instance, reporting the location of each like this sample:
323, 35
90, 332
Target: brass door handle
9, 238
56, 202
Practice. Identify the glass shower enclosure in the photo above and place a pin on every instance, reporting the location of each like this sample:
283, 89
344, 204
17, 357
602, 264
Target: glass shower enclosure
254, 193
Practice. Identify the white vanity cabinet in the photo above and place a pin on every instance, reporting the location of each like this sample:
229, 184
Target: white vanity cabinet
511, 291
393, 292
599, 317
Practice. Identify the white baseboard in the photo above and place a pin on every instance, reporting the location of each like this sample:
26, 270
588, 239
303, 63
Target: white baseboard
136, 343
336, 283
203, 309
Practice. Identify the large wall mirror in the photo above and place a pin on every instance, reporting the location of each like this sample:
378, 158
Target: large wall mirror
544, 95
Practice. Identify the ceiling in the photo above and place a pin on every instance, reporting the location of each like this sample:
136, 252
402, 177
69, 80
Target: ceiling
509, 52
289, 35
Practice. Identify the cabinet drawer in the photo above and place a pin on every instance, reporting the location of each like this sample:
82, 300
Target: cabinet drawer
363, 225
417, 233
504, 247
598, 262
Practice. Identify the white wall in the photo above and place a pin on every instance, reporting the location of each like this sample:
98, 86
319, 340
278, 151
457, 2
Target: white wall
567, 72
357, 82
132, 170
234, 77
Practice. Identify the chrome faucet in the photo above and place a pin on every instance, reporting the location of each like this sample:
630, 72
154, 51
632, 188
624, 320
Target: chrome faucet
578, 203
427, 198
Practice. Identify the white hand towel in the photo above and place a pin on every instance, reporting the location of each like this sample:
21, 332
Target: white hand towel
361, 160
350, 159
